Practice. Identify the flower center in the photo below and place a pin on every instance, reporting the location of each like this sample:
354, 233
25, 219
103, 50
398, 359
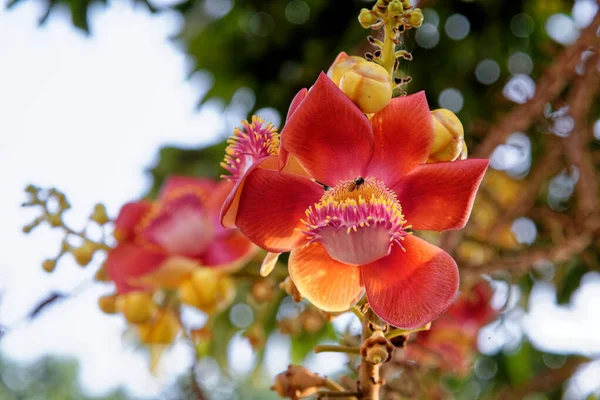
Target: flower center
357, 221
253, 142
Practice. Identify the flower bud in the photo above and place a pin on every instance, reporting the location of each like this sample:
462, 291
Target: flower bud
207, 290
256, 336
448, 135
162, 329
49, 265
368, 85
366, 18
342, 64
99, 215
84, 253
262, 291
290, 288
415, 18
377, 349
108, 304
312, 321
101, 275
55, 220
297, 382
137, 307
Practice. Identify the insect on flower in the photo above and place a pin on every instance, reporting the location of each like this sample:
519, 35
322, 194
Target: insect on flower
356, 183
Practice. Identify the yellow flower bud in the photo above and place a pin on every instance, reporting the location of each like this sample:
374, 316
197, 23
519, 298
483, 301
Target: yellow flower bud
368, 85
207, 290
99, 215
84, 254
162, 329
137, 307
366, 18
448, 136
342, 64
49, 265
415, 18
101, 275
108, 304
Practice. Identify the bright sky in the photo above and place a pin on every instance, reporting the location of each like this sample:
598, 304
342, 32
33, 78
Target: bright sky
87, 115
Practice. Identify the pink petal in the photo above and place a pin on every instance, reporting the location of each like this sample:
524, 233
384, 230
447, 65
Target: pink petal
329, 135
440, 196
174, 184
271, 207
181, 225
328, 284
129, 260
411, 288
230, 251
129, 217
403, 134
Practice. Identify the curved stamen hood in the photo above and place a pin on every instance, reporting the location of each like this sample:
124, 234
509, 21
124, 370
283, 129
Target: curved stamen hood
253, 142
357, 221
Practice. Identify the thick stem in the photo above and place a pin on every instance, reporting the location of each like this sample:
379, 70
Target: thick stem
369, 380
388, 50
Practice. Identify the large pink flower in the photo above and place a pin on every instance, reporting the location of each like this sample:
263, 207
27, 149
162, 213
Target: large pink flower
344, 195
162, 241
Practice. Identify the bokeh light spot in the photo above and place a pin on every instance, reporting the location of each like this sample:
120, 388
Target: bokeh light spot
261, 24
521, 25
452, 99
520, 63
487, 71
457, 27
297, 12
241, 315
217, 8
525, 230
561, 28
520, 88
427, 36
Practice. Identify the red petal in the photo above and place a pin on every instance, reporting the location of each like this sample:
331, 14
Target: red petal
440, 196
403, 134
231, 204
326, 283
175, 183
271, 207
129, 216
411, 288
127, 261
298, 98
329, 135
230, 251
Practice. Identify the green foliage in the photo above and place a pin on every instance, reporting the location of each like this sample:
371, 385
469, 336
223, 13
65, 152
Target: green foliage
49, 379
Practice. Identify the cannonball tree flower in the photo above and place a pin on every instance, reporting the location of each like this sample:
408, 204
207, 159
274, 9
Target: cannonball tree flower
348, 214
177, 242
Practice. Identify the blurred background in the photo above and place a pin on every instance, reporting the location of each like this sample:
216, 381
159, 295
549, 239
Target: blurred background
104, 99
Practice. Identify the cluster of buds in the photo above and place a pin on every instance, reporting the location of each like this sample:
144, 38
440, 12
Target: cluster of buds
400, 12
297, 382
154, 316
53, 205
208, 290
311, 320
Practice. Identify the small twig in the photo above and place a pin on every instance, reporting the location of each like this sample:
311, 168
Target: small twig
549, 86
398, 331
337, 395
333, 385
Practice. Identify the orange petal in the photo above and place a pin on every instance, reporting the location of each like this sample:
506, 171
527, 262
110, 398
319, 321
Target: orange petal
328, 284
176, 183
411, 288
269, 263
